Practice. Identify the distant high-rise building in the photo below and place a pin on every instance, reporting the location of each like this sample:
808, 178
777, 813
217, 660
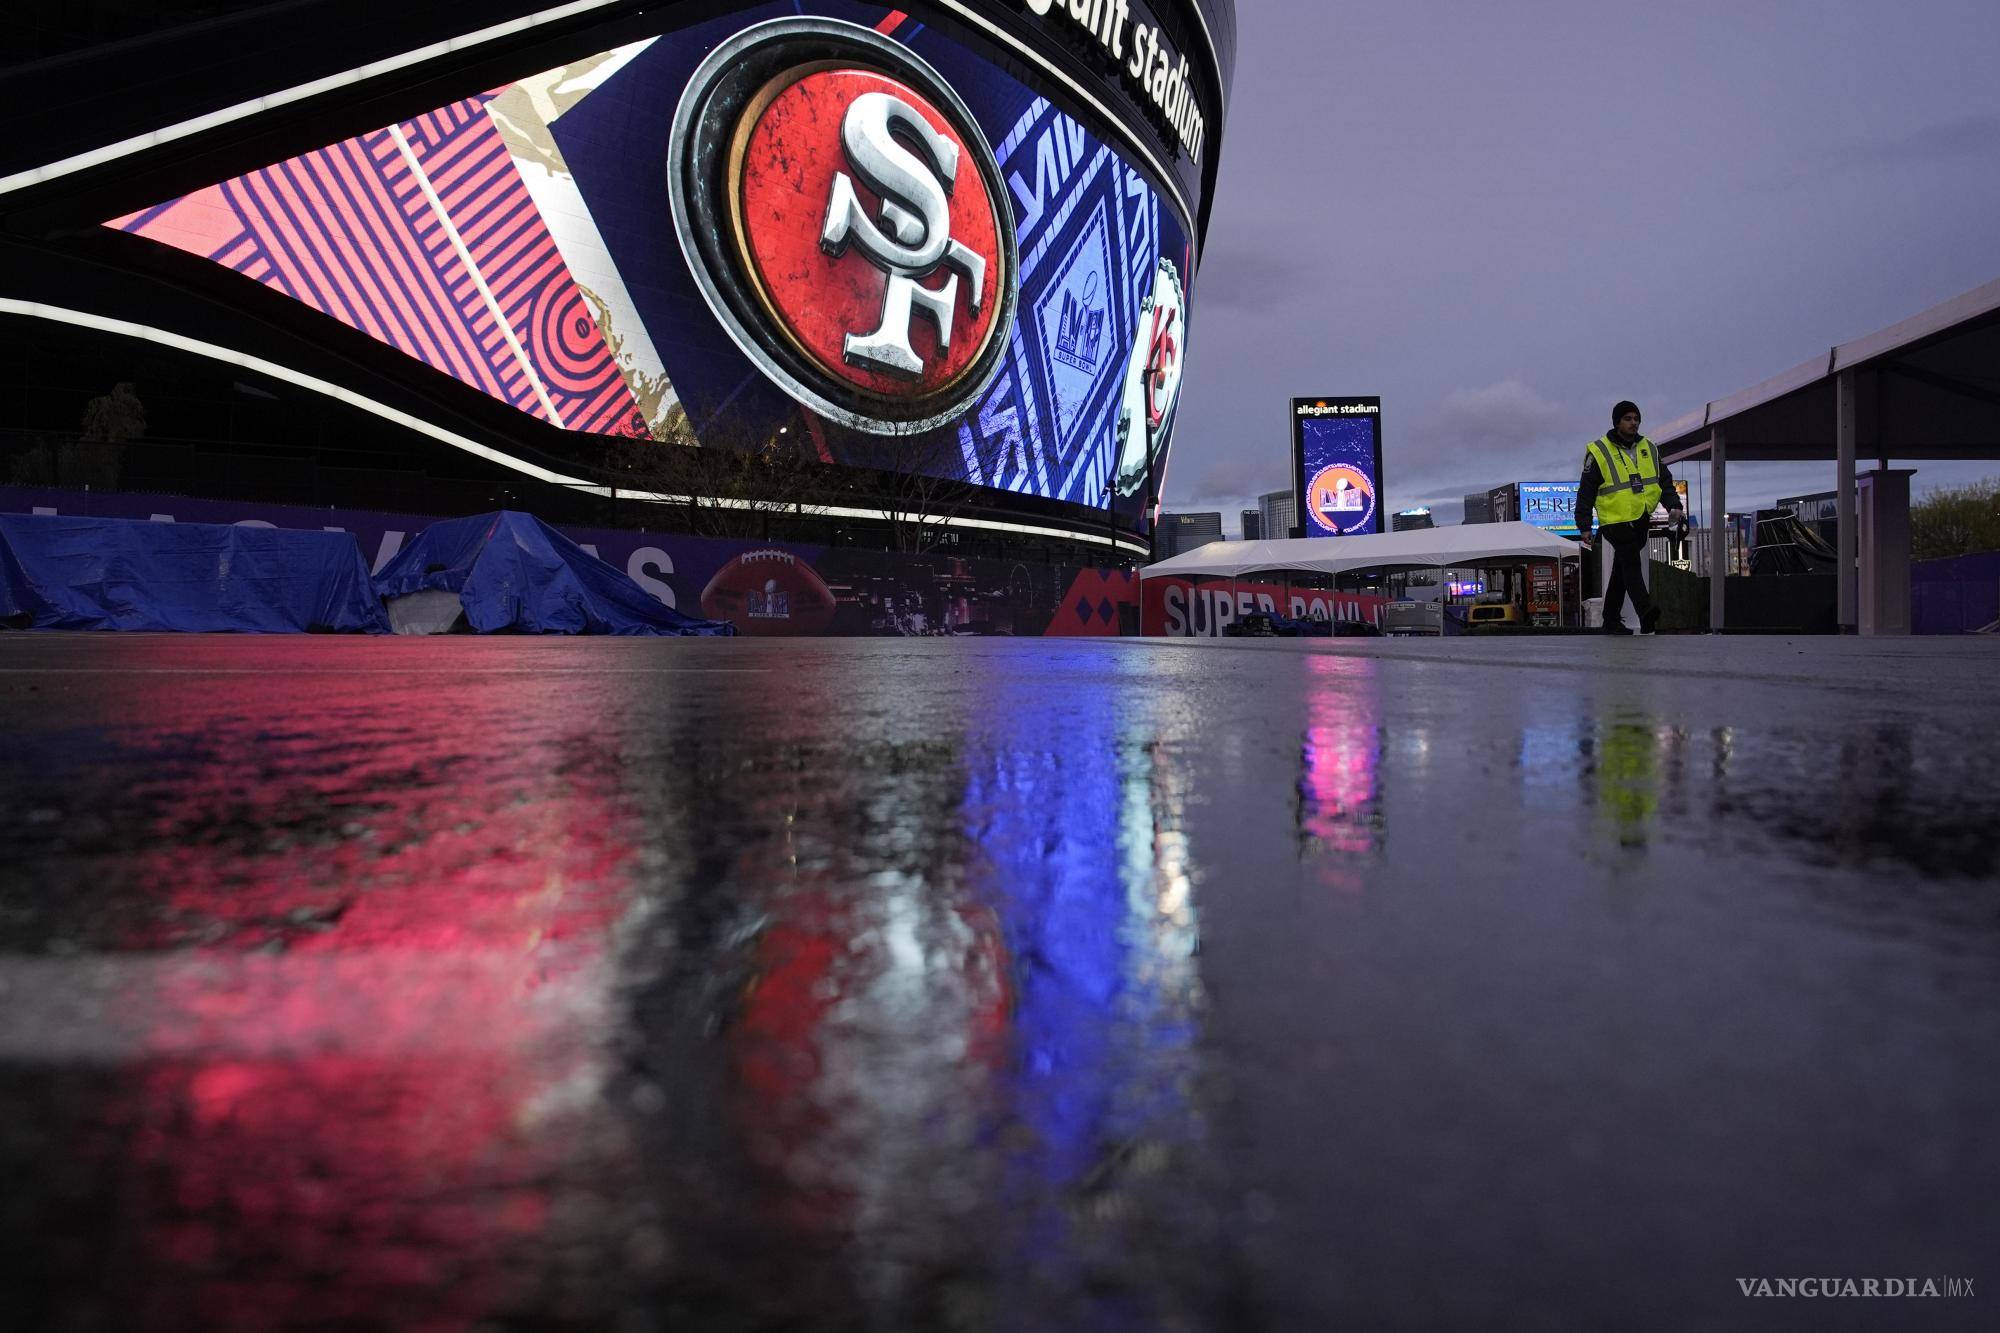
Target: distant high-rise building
1253, 525
1409, 520
1181, 533
1280, 513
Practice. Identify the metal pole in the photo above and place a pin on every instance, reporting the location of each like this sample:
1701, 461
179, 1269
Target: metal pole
1846, 591
1718, 529
1151, 515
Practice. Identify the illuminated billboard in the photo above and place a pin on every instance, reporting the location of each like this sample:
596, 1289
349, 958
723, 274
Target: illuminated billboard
828, 219
1337, 465
1549, 505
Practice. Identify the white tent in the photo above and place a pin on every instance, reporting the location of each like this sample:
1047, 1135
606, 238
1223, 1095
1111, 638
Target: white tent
1470, 544
1424, 548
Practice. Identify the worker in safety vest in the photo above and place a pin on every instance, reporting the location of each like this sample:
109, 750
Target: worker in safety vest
1623, 479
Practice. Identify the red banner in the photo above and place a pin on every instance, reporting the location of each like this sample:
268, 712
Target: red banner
1181, 609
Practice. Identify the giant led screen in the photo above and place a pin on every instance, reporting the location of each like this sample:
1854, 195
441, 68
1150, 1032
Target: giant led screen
1550, 505
1337, 465
828, 217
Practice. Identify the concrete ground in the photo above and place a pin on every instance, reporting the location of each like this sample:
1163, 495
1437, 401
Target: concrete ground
512, 983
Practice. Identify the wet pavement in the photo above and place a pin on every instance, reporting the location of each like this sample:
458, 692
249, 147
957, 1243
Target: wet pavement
980, 984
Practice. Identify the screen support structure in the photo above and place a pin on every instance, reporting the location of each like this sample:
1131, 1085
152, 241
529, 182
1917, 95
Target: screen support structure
1846, 592
1718, 528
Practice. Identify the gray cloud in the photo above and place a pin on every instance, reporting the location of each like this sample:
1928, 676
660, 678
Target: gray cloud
1495, 429
1954, 142
1254, 278
1946, 141
1221, 482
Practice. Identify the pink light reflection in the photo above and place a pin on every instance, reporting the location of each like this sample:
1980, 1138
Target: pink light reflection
1340, 754
374, 978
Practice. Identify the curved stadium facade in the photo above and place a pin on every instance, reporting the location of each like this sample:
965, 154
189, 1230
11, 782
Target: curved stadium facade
583, 255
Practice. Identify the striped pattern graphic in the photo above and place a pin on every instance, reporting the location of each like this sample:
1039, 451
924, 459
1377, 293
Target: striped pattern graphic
1075, 202
422, 236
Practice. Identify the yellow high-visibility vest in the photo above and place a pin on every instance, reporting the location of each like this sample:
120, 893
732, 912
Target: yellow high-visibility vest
1631, 486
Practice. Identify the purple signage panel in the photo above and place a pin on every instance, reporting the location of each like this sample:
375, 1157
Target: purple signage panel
1337, 465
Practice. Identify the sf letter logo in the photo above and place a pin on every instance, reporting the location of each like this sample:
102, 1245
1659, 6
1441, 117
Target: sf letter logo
886, 303
913, 239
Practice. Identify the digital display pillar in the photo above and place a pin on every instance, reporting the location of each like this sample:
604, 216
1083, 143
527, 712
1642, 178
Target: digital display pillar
1337, 465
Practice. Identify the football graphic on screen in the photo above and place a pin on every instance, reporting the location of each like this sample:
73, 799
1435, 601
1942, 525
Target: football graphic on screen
769, 592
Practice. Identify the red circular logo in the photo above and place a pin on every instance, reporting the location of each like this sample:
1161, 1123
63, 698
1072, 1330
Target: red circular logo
790, 155
845, 219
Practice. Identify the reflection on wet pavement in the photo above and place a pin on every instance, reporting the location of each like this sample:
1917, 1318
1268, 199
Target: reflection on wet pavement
1339, 809
471, 984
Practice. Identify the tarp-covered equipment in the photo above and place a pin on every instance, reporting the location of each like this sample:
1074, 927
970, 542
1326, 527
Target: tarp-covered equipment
512, 573
60, 572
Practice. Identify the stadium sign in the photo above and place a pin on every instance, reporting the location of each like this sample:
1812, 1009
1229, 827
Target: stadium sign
1337, 465
1155, 71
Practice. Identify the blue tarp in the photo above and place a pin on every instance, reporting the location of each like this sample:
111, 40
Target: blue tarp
514, 573
111, 573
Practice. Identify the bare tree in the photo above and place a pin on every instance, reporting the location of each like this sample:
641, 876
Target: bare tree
737, 484
731, 484
919, 481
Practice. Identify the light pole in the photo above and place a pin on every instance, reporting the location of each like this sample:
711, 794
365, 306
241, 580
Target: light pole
1149, 515
1110, 524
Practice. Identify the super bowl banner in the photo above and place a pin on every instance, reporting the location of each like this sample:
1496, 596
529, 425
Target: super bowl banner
825, 221
1180, 608
1337, 465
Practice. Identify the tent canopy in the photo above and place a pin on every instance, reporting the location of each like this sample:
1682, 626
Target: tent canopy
1425, 548
1923, 390
1919, 389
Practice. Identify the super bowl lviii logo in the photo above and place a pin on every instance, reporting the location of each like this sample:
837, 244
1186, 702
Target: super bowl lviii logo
845, 219
1341, 498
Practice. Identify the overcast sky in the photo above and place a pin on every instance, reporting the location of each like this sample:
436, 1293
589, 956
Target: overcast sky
1505, 218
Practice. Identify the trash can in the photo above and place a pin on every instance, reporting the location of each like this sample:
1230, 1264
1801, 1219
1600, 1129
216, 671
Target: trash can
1593, 613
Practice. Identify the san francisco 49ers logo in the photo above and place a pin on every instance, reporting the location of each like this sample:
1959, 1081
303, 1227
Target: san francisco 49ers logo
845, 219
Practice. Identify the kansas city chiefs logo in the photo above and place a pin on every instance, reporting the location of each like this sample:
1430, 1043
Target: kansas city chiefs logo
844, 218
1152, 378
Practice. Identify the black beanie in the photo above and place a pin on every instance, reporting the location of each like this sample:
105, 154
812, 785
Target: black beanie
1622, 409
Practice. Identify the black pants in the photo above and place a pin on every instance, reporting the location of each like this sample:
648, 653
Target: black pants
1628, 570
